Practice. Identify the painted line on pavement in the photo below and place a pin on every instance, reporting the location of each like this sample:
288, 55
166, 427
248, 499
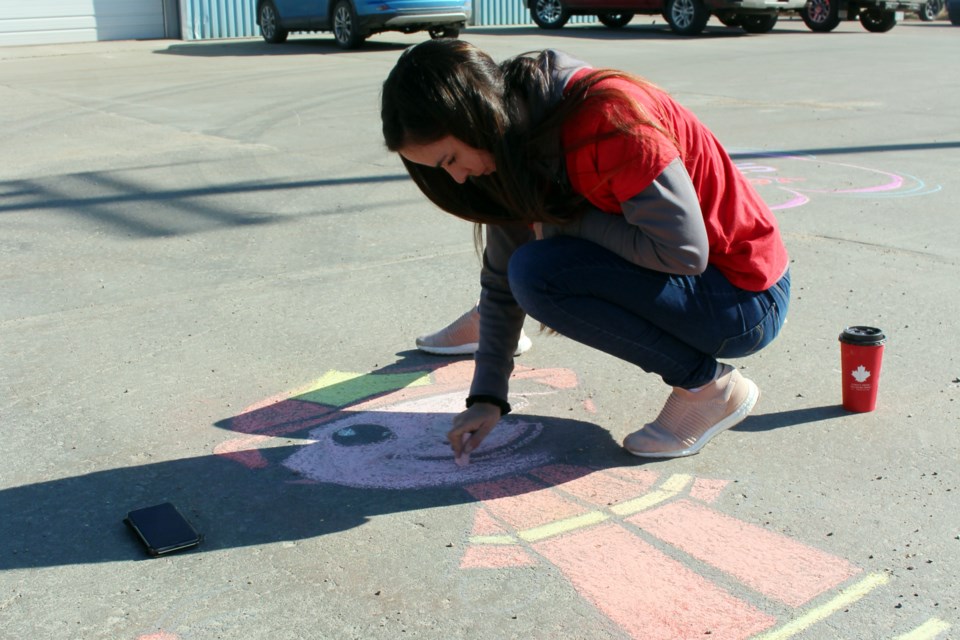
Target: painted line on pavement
845, 598
927, 631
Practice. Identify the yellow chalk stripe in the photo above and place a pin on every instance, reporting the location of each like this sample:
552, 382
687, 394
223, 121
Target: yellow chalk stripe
845, 598
927, 631
562, 526
643, 502
670, 487
677, 482
492, 540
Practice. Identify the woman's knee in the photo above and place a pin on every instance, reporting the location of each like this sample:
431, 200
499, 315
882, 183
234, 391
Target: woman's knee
529, 270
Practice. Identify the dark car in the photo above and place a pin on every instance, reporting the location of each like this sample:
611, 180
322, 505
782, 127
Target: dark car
353, 21
953, 11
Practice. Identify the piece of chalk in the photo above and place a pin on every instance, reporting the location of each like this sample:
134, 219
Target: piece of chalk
463, 459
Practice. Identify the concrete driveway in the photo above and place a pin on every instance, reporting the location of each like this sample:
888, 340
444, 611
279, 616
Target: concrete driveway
212, 275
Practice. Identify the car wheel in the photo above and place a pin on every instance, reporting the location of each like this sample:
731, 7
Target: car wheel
759, 23
549, 14
930, 10
878, 20
444, 32
687, 17
615, 20
270, 27
345, 30
821, 15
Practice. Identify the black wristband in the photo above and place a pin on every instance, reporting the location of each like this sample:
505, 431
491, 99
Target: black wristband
502, 404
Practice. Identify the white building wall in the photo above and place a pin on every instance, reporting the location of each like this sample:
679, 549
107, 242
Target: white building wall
54, 21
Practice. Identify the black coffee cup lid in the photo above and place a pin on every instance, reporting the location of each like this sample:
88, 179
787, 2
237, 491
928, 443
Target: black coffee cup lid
863, 335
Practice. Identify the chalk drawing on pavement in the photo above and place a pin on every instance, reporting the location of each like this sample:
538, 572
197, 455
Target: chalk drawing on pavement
787, 181
647, 550
388, 431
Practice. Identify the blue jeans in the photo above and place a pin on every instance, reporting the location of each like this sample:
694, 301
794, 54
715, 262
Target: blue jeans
674, 326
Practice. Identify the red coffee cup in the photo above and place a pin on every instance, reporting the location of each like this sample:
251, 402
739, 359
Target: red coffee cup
861, 352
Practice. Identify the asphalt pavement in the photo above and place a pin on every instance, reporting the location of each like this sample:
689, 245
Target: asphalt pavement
211, 277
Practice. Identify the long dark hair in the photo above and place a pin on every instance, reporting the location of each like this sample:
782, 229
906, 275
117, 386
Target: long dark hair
449, 87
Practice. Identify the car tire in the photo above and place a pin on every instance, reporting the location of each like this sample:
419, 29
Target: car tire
346, 31
615, 20
549, 14
270, 27
687, 17
953, 12
877, 20
762, 23
821, 15
443, 32
930, 10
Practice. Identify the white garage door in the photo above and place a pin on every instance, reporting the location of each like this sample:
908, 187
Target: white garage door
52, 21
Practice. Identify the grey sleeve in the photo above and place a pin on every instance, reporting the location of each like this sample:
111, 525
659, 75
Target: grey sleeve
661, 227
501, 318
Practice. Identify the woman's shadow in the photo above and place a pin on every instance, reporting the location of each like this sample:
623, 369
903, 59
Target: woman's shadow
320, 461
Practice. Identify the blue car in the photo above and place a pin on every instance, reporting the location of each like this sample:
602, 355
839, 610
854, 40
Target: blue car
353, 21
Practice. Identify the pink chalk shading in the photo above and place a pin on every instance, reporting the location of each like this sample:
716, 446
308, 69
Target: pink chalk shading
160, 635
495, 557
243, 450
523, 503
598, 487
279, 416
772, 564
485, 524
266, 420
707, 490
643, 478
556, 378
798, 200
589, 406
648, 594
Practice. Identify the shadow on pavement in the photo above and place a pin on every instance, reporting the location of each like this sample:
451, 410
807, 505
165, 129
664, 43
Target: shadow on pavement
78, 520
116, 202
322, 460
792, 418
292, 47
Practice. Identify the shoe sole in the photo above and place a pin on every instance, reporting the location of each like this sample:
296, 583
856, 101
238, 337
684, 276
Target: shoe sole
459, 350
471, 347
732, 420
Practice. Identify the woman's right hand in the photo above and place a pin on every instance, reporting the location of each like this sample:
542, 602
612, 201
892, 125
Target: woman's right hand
477, 422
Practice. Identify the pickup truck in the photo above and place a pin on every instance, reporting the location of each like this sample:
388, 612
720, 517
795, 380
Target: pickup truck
877, 16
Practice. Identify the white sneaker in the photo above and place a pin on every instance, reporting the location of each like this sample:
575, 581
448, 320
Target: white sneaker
690, 419
462, 338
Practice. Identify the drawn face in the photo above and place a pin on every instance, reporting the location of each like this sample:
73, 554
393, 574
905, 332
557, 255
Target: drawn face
404, 446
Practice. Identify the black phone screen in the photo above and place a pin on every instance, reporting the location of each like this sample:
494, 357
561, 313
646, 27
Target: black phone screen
162, 529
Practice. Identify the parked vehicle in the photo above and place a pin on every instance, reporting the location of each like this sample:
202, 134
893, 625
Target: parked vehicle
689, 17
930, 9
353, 21
685, 17
953, 12
877, 16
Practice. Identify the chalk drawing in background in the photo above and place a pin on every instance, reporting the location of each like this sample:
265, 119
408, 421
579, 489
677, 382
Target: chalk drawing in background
787, 181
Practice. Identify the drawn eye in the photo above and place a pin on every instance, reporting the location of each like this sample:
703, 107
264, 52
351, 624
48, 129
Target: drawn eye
362, 434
